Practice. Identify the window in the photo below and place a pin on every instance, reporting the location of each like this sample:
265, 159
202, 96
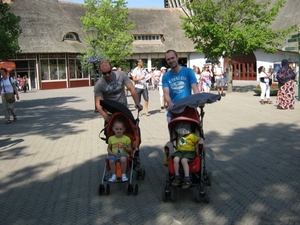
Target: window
148, 37
53, 69
76, 71
71, 37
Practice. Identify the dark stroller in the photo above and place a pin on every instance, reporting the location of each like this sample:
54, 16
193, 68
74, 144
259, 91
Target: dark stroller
186, 110
121, 112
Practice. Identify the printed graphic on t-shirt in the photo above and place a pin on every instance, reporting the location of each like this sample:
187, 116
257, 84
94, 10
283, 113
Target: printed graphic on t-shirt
113, 87
177, 84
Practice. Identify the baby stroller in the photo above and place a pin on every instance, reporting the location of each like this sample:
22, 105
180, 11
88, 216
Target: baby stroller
186, 110
121, 112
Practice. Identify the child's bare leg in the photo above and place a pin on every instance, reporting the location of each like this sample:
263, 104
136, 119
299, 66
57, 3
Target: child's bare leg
176, 181
124, 164
112, 165
187, 181
176, 165
124, 168
185, 166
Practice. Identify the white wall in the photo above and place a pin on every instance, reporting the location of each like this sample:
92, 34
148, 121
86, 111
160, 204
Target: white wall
268, 60
196, 59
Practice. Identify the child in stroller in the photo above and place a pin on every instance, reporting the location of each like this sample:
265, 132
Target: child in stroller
121, 124
186, 145
187, 163
119, 147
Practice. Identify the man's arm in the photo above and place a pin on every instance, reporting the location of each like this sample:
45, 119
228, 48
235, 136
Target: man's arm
134, 96
195, 88
105, 116
167, 97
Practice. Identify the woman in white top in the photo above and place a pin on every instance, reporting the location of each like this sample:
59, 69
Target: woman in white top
264, 85
7, 86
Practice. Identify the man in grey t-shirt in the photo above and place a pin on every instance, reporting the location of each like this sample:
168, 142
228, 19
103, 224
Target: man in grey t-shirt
111, 86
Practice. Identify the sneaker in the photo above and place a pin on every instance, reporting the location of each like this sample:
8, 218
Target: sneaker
176, 181
124, 178
113, 178
186, 184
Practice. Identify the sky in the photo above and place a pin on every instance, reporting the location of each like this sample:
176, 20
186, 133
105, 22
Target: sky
134, 3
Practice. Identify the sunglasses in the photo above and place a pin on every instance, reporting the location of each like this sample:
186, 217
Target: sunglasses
108, 72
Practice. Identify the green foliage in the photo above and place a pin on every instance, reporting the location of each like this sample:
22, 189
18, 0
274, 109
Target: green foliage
10, 31
111, 19
227, 28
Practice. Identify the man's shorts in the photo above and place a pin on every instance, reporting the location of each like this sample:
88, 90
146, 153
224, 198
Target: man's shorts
143, 92
219, 82
185, 154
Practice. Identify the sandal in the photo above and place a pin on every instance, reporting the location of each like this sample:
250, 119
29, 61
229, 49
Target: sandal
176, 181
262, 102
270, 102
7, 122
186, 184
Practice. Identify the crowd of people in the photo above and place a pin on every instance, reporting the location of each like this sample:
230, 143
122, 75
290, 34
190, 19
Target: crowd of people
210, 77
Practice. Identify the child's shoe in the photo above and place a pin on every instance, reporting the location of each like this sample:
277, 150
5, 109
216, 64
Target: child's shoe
176, 181
124, 178
186, 183
113, 178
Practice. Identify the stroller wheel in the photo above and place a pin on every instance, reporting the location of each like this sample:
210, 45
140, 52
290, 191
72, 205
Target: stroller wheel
129, 189
164, 194
207, 178
203, 193
140, 174
207, 193
143, 174
136, 189
107, 189
198, 195
173, 195
101, 189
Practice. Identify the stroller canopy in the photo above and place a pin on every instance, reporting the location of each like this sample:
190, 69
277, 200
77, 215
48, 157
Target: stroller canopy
113, 107
194, 101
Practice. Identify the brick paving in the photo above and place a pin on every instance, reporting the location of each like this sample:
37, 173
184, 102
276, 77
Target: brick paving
52, 162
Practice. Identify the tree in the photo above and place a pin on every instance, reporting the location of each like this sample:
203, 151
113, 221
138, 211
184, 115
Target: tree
10, 31
228, 28
111, 19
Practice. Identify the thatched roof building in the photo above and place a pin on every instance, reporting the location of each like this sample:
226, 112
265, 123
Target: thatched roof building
52, 39
46, 22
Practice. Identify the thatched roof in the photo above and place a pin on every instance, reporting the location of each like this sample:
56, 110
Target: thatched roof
161, 21
45, 22
289, 15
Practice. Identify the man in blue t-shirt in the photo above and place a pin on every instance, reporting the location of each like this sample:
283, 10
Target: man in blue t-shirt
177, 83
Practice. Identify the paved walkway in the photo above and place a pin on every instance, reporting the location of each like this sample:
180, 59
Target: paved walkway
52, 161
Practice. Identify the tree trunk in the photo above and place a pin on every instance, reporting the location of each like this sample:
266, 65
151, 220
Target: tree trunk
230, 83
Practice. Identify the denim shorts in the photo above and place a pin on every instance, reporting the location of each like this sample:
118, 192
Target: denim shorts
114, 158
143, 92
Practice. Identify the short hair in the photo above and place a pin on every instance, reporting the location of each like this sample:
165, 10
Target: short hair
104, 61
4, 69
139, 60
119, 121
171, 50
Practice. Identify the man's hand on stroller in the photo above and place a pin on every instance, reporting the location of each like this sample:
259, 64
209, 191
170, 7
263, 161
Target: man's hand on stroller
139, 107
107, 117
